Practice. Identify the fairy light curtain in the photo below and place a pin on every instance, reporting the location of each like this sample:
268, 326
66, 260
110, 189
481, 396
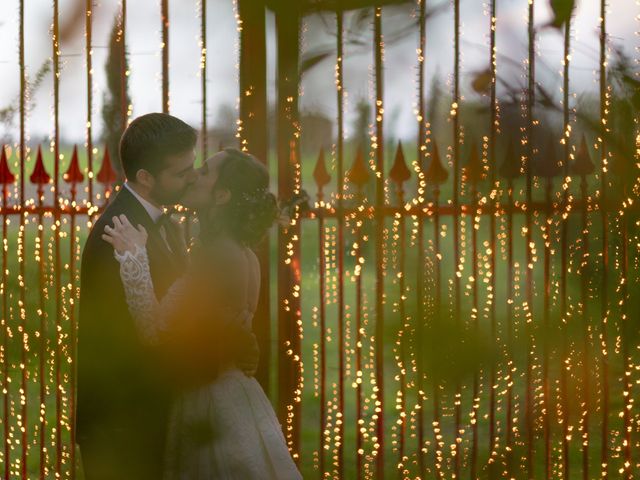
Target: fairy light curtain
460, 304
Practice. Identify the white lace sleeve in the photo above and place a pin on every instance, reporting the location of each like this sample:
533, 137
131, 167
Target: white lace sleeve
150, 316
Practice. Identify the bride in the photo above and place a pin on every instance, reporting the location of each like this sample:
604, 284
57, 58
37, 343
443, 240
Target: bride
225, 428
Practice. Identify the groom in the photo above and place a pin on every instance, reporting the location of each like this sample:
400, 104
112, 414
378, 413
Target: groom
124, 386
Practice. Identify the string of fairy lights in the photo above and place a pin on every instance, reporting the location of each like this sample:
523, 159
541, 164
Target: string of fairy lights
535, 250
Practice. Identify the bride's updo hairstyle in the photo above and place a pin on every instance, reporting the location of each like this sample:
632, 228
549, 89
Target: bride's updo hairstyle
252, 208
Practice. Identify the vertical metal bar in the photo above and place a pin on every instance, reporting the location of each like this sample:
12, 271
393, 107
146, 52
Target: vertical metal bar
564, 254
203, 78
492, 218
420, 157
253, 118
204, 140
546, 322
124, 108
43, 338
529, 406
90, 200
56, 236
629, 325
403, 328
379, 229
288, 26
74, 293
323, 327
509, 319
23, 106
476, 326
359, 308
340, 231
21, 253
436, 174
358, 176
165, 54
604, 294
437, 427
456, 215
5, 304
584, 298
627, 334
89, 67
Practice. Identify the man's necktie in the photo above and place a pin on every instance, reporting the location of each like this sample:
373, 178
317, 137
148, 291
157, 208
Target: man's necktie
163, 224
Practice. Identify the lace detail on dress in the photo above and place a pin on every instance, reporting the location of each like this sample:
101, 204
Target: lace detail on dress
150, 316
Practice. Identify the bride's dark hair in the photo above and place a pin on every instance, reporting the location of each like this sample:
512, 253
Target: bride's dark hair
252, 208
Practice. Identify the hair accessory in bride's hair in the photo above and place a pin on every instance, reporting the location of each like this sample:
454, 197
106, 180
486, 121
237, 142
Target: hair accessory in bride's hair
288, 207
257, 194
255, 199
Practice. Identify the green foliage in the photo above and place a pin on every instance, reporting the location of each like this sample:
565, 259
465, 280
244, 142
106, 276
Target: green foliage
625, 102
112, 114
9, 113
562, 11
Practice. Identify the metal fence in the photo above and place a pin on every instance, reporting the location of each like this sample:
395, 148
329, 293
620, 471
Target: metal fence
469, 314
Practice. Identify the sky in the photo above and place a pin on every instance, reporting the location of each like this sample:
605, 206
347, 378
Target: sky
318, 94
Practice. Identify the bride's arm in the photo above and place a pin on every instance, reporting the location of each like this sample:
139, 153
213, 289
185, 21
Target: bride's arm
151, 316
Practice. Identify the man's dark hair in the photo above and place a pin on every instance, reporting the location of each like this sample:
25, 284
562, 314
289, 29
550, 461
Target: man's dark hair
149, 139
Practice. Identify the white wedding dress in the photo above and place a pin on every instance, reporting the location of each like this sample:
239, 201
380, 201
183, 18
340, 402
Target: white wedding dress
224, 430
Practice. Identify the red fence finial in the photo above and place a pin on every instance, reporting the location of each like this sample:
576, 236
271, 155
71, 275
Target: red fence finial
106, 175
583, 164
475, 168
73, 173
320, 174
399, 172
359, 173
6, 177
436, 173
39, 175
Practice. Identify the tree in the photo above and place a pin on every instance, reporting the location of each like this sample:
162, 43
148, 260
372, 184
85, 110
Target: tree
116, 98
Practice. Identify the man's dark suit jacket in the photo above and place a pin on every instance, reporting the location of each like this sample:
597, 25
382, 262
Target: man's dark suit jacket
123, 395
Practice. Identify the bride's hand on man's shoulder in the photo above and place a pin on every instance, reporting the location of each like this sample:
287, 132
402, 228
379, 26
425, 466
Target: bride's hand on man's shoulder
123, 236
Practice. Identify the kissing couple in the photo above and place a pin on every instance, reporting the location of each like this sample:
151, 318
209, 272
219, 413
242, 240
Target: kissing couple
166, 355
